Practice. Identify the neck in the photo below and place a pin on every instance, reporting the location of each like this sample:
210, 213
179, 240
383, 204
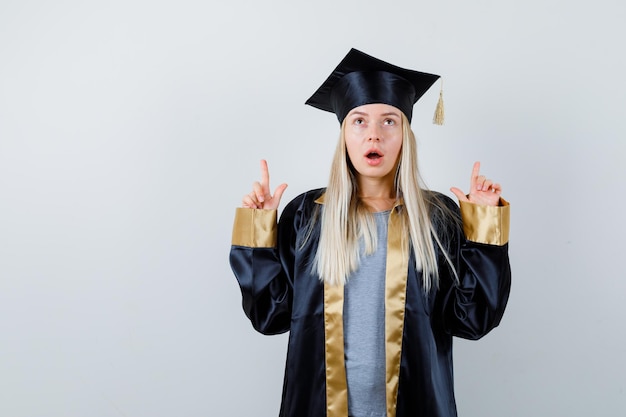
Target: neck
378, 194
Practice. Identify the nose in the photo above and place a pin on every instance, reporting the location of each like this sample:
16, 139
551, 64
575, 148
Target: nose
374, 134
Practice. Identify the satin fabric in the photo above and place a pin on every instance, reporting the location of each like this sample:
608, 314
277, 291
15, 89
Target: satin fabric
486, 224
361, 87
336, 388
363, 79
395, 305
281, 293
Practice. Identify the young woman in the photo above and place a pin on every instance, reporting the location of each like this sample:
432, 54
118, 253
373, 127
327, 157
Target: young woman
373, 275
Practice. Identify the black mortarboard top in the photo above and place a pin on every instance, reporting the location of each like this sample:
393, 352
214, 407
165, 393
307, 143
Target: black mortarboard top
362, 79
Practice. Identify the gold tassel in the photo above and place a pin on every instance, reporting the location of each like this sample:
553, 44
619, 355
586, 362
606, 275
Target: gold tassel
440, 115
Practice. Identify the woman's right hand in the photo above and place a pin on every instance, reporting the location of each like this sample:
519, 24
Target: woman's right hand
260, 197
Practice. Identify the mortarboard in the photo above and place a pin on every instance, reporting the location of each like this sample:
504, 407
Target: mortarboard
362, 79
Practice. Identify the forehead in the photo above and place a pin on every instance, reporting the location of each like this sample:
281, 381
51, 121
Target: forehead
376, 109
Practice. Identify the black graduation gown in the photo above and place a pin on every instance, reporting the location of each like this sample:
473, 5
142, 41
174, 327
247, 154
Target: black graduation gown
273, 265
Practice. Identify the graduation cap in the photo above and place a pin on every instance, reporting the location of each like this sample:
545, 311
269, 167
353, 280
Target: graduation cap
362, 79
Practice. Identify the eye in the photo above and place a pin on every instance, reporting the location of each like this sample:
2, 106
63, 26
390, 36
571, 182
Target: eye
389, 122
359, 121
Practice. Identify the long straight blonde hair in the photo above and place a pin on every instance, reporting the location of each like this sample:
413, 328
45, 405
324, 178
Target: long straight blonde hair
345, 219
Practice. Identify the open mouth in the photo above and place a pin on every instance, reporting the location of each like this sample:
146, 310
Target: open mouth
374, 155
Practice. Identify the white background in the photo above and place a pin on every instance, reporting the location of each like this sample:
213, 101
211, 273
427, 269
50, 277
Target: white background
129, 131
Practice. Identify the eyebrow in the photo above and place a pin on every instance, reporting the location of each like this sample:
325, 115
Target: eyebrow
367, 114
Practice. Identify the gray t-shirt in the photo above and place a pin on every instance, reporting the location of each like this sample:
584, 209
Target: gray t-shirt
364, 329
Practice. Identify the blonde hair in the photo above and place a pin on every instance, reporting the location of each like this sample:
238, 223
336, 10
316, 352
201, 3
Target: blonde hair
345, 219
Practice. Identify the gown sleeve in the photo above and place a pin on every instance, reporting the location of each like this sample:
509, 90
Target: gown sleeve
261, 257
475, 304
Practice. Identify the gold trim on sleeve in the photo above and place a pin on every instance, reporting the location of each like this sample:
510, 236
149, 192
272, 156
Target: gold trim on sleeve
486, 224
255, 228
395, 302
336, 382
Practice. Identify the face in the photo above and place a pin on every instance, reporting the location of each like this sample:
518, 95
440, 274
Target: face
373, 134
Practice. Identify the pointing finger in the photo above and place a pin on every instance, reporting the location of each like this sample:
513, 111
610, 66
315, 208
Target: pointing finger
475, 174
265, 177
476, 169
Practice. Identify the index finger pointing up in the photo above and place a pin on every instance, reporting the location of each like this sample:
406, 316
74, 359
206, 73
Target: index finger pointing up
475, 174
265, 177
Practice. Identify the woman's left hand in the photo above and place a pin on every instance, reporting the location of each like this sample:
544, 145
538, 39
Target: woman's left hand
483, 191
